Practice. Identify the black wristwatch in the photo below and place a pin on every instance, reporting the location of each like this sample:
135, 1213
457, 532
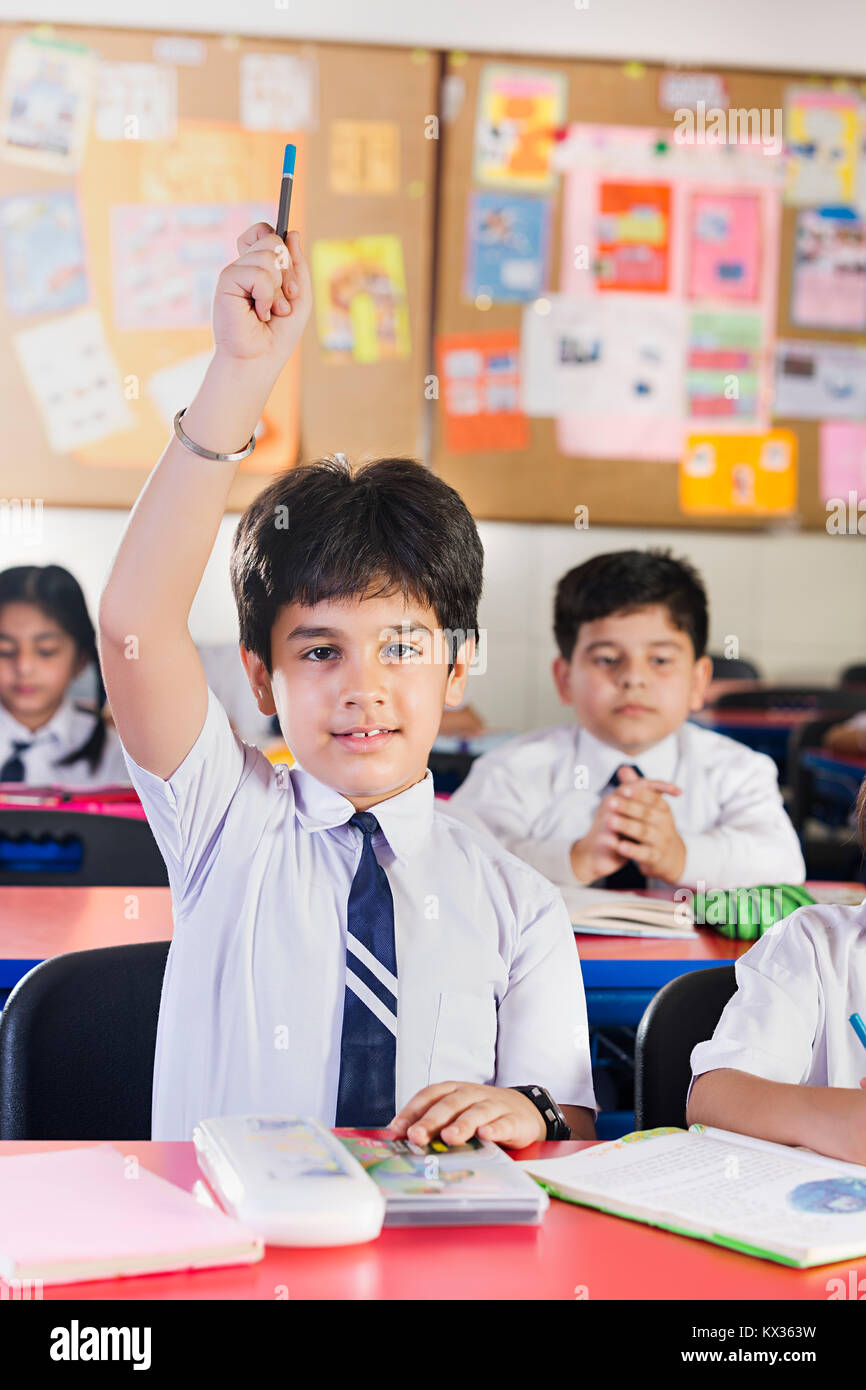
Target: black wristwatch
557, 1125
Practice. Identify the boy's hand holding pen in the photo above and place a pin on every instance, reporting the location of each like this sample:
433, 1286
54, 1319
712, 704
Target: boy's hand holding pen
263, 299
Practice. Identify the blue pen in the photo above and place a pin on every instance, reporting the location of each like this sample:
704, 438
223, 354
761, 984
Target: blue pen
286, 191
859, 1027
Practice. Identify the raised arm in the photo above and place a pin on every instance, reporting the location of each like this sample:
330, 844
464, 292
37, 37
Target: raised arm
153, 676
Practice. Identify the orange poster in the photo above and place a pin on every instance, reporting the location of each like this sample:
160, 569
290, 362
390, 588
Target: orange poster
633, 236
739, 474
479, 386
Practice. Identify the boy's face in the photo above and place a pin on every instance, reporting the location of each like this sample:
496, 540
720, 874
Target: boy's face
349, 665
633, 678
38, 659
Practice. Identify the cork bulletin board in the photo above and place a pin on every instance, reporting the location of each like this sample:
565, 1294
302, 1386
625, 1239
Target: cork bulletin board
114, 229
516, 469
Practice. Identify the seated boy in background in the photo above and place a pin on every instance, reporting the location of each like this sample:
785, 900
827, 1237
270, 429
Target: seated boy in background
342, 948
785, 1062
635, 795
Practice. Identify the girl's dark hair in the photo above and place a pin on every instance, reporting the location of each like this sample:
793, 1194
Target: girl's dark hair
623, 581
58, 593
322, 531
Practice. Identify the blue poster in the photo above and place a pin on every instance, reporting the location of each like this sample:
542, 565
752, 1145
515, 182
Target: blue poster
507, 245
44, 268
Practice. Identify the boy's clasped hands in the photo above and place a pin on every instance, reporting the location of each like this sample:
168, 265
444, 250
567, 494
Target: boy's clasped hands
633, 821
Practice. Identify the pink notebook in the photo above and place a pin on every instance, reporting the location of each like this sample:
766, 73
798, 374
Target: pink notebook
76, 1214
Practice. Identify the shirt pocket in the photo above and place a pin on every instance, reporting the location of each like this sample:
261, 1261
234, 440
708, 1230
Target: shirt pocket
464, 1039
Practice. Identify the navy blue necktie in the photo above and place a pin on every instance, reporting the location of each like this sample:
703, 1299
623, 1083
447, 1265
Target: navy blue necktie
13, 768
628, 875
368, 1050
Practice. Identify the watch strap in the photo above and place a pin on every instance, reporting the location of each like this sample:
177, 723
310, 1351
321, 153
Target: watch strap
557, 1125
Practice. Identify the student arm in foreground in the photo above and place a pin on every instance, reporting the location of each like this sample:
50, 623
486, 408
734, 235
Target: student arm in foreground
829, 1119
152, 671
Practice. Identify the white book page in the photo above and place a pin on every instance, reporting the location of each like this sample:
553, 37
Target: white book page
764, 1197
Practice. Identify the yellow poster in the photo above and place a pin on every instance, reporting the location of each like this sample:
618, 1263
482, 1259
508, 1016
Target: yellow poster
519, 112
365, 157
359, 289
739, 474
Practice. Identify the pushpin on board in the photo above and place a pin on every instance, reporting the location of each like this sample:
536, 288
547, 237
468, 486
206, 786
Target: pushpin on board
634, 69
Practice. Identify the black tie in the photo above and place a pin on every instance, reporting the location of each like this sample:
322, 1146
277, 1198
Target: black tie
629, 875
13, 768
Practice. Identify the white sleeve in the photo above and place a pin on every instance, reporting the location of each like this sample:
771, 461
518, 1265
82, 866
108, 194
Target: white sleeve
186, 813
768, 1027
754, 841
542, 1033
491, 797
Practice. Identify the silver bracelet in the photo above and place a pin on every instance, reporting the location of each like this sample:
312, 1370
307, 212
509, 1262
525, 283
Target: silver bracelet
209, 453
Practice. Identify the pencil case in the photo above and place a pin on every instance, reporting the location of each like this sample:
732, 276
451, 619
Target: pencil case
744, 914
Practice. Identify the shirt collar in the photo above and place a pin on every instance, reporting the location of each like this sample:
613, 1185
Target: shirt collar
601, 760
58, 729
405, 820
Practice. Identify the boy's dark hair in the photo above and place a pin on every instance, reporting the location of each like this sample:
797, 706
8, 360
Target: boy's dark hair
623, 581
59, 595
324, 531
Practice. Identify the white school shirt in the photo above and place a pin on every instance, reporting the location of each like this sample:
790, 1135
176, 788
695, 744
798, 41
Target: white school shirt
538, 793
796, 990
260, 861
67, 729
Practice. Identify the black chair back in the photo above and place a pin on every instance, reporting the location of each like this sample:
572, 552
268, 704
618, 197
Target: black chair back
77, 1042
729, 668
116, 851
854, 675
822, 699
683, 1013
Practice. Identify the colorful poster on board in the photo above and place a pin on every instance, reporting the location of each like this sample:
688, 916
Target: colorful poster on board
819, 380
165, 260
633, 236
479, 389
828, 278
45, 103
278, 91
822, 139
359, 291
507, 247
43, 254
519, 111
74, 379
608, 362
364, 157
739, 474
724, 246
841, 460
724, 365
135, 101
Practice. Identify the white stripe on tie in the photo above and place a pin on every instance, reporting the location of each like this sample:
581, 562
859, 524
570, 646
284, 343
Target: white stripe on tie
373, 1004
382, 973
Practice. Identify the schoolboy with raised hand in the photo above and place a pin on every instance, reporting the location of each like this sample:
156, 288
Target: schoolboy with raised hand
342, 948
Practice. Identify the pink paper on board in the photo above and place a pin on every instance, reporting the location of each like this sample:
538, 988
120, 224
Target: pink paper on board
662, 438
725, 246
841, 459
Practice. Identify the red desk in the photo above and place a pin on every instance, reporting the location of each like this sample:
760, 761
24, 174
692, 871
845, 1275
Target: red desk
575, 1249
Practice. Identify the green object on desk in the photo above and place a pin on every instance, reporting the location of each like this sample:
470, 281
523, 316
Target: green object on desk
744, 914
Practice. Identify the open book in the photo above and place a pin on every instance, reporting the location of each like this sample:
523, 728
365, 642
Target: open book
790, 1205
602, 912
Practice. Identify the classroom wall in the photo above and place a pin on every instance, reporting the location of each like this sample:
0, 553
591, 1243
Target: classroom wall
797, 603
781, 34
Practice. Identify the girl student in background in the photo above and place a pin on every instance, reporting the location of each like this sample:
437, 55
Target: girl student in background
46, 640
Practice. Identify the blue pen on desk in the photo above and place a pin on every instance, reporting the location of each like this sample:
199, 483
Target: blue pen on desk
282, 227
859, 1027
